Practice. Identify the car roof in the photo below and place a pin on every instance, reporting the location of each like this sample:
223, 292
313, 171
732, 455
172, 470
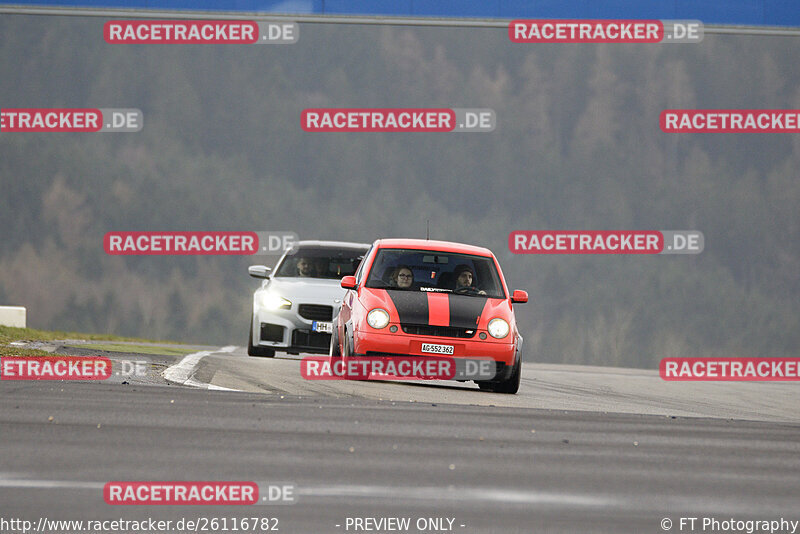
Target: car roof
332, 244
430, 244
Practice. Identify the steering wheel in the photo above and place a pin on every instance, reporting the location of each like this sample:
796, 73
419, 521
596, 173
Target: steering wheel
468, 290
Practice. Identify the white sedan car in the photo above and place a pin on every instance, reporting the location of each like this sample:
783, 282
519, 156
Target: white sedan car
295, 305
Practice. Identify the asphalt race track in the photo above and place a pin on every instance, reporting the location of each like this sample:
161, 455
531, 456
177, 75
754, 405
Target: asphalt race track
579, 449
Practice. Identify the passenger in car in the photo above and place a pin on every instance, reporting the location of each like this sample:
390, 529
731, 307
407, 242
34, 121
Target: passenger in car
321, 267
402, 277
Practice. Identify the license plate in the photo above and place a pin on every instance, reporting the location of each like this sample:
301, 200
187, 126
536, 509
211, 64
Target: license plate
431, 348
320, 326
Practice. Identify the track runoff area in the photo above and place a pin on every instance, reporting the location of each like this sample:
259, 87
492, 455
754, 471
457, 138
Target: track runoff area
216, 439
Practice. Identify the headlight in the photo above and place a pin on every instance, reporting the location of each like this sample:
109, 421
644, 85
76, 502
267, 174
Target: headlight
498, 328
378, 318
272, 301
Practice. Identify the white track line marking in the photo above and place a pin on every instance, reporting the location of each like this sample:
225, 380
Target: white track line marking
183, 371
438, 494
47, 484
475, 496
429, 494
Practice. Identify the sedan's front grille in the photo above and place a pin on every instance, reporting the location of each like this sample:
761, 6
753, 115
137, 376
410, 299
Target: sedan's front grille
315, 312
310, 340
441, 331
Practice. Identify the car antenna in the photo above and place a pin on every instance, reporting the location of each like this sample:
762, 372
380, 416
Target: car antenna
428, 223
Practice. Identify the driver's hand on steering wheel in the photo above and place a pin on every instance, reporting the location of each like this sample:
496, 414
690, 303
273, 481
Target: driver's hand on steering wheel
469, 289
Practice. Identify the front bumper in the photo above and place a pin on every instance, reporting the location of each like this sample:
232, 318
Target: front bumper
374, 343
285, 330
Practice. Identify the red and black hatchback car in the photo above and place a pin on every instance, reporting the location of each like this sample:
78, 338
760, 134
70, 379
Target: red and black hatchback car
414, 297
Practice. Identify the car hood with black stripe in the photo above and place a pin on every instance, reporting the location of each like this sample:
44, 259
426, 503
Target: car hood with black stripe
437, 309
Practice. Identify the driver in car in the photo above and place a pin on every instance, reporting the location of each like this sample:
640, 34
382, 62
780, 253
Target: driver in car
305, 268
464, 279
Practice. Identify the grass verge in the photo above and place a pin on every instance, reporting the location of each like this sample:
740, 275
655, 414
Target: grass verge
138, 349
9, 334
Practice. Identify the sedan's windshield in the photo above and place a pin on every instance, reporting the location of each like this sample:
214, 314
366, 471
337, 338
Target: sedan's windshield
432, 271
321, 262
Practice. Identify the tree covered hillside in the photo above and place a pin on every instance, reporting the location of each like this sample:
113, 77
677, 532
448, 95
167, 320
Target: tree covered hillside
577, 146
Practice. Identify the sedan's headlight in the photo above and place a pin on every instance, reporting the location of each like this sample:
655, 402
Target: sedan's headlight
378, 318
498, 328
271, 301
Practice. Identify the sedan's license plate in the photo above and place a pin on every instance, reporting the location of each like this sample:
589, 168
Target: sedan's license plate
320, 326
431, 348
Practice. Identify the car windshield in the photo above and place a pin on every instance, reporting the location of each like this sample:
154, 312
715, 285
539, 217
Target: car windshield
321, 262
432, 271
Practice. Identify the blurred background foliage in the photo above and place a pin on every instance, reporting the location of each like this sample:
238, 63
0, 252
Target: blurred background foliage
577, 146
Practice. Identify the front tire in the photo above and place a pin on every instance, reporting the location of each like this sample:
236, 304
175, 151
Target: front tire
511, 385
347, 355
333, 350
254, 350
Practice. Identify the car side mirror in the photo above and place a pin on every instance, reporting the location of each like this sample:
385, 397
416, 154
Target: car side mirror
259, 271
519, 297
349, 282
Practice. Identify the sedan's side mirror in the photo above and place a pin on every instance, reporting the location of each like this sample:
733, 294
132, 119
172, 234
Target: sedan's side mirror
519, 297
259, 271
349, 282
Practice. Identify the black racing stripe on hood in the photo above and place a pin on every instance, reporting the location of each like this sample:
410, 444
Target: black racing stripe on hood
465, 310
411, 306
